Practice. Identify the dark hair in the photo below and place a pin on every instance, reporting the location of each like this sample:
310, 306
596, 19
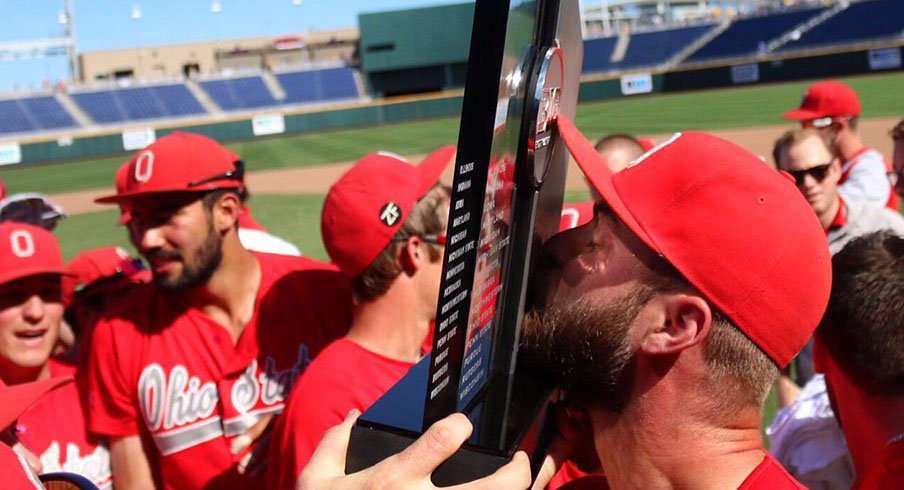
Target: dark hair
428, 216
897, 132
863, 327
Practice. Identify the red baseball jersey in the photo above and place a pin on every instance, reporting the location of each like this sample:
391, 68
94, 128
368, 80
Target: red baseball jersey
886, 472
164, 370
54, 429
343, 377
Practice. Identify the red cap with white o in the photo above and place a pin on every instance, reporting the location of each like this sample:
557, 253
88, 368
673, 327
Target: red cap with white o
27, 250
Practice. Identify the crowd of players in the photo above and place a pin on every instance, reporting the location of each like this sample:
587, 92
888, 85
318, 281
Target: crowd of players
696, 280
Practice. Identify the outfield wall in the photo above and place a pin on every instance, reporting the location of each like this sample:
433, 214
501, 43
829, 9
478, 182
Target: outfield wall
449, 104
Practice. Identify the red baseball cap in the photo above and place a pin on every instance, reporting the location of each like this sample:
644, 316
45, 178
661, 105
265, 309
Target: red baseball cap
824, 99
177, 162
92, 266
736, 229
15, 399
27, 250
367, 205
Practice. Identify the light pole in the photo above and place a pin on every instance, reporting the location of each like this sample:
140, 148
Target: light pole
69, 31
215, 9
136, 16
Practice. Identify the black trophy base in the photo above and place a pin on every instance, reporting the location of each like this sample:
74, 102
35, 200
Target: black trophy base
369, 446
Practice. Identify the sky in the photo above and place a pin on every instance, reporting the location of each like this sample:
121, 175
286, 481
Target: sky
109, 24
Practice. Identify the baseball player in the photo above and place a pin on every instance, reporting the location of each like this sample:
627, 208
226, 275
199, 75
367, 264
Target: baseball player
184, 375
617, 150
384, 225
834, 108
31, 310
860, 348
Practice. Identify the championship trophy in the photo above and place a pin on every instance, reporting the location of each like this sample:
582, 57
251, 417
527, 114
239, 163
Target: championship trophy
523, 70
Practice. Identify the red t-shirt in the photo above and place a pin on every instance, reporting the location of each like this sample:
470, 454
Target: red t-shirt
163, 370
768, 475
576, 214
887, 472
15, 471
54, 429
344, 376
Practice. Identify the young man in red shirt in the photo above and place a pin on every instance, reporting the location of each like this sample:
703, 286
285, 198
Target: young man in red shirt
31, 309
185, 374
384, 224
860, 348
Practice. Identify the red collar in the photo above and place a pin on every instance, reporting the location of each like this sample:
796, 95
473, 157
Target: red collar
840, 218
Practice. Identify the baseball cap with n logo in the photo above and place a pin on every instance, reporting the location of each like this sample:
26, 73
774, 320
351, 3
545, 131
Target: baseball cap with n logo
367, 205
177, 162
27, 250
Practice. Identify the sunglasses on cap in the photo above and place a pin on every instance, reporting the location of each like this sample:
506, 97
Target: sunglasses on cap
238, 173
818, 173
434, 238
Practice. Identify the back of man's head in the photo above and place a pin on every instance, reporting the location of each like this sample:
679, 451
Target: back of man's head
618, 150
863, 327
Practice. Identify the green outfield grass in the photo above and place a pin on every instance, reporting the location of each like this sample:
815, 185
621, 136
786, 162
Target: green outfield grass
704, 110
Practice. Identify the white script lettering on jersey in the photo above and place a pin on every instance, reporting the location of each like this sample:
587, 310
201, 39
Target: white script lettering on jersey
180, 400
94, 466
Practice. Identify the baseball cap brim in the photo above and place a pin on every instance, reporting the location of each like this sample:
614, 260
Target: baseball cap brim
803, 114
18, 398
600, 177
432, 167
20, 272
130, 196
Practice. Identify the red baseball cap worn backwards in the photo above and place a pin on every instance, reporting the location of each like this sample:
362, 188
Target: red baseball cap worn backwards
824, 99
177, 162
27, 250
367, 205
91, 268
737, 230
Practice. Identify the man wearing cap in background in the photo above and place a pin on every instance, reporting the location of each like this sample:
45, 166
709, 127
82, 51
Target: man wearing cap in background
834, 108
186, 373
668, 318
384, 224
860, 348
31, 310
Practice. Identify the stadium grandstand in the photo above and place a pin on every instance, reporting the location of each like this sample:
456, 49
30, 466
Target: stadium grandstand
224, 80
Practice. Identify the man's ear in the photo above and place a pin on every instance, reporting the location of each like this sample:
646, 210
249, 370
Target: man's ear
226, 211
679, 322
412, 255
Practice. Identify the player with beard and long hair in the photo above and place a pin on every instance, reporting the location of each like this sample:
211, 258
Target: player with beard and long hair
185, 376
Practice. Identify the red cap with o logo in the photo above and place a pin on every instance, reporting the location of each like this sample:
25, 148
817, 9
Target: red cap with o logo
27, 250
367, 205
737, 230
177, 162
824, 99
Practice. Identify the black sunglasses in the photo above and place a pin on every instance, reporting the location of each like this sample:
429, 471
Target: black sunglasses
818, 173
238, 173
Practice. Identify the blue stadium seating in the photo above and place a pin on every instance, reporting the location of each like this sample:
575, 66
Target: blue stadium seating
239, 93
645, 49
33, 114
863, 21
133, 104
743, 37
319, 85
597, 53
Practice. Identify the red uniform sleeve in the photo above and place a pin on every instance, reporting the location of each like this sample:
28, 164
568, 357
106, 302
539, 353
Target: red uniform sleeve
112, 411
